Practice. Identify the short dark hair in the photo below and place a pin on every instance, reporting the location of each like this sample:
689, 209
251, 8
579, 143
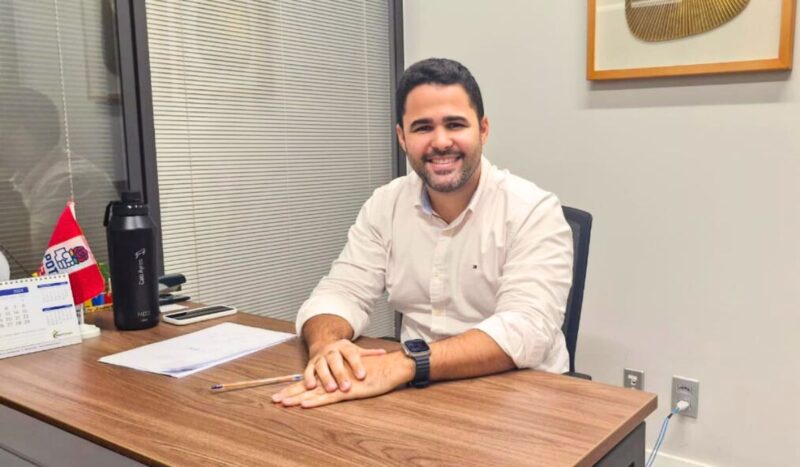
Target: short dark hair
437, 71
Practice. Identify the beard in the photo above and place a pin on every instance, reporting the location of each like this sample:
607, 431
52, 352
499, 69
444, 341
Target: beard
465, 172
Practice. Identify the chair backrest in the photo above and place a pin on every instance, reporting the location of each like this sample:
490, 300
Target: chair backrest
581, 224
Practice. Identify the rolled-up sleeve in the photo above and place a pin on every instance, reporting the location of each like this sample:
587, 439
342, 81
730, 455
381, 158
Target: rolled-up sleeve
533, 287
357, 278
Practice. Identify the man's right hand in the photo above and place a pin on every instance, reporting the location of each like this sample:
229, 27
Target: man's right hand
326, 365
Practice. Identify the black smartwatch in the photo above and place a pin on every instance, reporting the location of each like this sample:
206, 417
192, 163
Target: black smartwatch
418, 350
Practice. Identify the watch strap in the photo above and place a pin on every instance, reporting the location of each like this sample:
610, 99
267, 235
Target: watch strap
422, 375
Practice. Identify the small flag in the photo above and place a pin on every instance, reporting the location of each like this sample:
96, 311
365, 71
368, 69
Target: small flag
68, 253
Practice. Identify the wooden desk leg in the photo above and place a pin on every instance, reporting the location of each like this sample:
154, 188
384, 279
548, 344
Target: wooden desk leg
628, 453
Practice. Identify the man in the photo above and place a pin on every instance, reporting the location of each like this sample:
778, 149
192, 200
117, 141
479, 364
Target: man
37, 177
478, 261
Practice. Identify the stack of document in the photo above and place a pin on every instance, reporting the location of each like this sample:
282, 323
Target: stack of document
181, 356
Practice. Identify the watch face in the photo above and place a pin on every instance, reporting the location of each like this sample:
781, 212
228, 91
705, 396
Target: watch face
417, 345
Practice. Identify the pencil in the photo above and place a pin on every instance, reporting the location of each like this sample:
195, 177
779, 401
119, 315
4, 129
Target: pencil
222, 387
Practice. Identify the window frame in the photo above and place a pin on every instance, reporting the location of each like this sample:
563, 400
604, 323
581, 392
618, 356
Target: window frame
137, 108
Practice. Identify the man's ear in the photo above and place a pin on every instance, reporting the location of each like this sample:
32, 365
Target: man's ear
401, 138
484, 129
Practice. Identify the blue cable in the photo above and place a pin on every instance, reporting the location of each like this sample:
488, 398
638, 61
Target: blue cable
652, 456
657, 444
660, 438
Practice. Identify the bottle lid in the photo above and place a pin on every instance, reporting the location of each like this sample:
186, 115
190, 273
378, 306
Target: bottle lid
131, 205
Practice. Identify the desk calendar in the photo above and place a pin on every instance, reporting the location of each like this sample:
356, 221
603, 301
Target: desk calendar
37, 314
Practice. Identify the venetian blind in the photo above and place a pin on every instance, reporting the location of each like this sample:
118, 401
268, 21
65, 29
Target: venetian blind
273, 126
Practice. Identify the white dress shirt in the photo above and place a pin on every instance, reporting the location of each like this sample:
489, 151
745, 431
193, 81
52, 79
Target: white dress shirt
503, 266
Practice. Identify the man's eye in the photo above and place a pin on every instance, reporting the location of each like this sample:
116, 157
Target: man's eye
455, 125
422, 129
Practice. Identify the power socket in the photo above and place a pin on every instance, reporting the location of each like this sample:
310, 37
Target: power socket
686, 389
633, 379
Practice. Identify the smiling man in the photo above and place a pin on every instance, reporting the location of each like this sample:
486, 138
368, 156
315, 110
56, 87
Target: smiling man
478, 261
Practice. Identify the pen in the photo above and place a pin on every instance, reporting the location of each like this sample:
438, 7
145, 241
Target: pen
222, 387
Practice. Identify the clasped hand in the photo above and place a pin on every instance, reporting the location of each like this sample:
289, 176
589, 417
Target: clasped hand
337, 372
335, 364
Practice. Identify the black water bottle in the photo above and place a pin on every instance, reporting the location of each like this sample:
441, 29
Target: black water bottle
131, 238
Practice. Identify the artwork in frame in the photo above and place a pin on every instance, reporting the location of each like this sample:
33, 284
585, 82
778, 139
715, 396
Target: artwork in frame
652, 38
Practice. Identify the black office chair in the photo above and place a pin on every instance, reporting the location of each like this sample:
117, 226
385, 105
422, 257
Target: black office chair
581, 224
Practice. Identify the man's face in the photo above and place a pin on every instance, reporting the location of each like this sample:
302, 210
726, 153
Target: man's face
442, 136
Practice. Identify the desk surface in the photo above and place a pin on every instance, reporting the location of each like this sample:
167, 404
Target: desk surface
521, 417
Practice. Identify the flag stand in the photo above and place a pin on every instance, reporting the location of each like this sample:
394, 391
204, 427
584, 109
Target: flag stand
87, 330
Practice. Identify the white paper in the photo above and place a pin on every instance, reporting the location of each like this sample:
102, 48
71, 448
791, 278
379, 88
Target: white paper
190, 353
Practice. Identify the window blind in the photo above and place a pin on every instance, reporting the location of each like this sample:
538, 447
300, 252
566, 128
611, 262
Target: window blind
273, 126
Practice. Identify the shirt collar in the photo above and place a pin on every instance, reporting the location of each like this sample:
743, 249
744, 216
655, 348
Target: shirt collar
425, 201
485, 168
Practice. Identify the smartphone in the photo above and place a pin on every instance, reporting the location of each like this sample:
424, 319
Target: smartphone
198, 314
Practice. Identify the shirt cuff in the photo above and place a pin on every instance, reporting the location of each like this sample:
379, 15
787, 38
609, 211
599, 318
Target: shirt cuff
332, 305
514, 334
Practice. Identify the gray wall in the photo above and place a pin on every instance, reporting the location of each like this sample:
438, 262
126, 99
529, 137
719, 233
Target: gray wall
693, 183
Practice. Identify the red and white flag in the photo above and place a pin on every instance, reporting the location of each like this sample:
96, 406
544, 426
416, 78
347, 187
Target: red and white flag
68, 253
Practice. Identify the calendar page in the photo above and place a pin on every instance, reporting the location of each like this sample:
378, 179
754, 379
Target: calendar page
37, 314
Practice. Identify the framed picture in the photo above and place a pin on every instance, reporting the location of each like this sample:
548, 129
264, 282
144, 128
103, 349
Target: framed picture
651, 38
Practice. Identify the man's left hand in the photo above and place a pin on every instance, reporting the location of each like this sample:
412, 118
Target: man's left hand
384, 374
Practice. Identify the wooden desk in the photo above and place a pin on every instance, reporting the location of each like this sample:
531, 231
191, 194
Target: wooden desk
517, 418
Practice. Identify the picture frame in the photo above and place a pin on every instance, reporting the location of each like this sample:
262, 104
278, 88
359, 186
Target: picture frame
759, 37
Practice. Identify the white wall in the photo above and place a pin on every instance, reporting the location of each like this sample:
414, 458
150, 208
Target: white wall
693, 182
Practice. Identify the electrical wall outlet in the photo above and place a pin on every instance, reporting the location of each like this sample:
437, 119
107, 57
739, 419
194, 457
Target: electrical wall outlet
633, 379
686, 389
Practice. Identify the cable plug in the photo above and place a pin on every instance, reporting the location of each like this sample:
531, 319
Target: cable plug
682, 405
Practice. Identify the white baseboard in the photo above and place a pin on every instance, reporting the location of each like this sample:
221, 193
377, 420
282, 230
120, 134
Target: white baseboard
667, 460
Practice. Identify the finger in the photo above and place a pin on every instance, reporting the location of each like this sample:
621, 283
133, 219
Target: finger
353, 356
340, 373
318, 400
297, 399
309, 379
324, 375
289, 391
372, 352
